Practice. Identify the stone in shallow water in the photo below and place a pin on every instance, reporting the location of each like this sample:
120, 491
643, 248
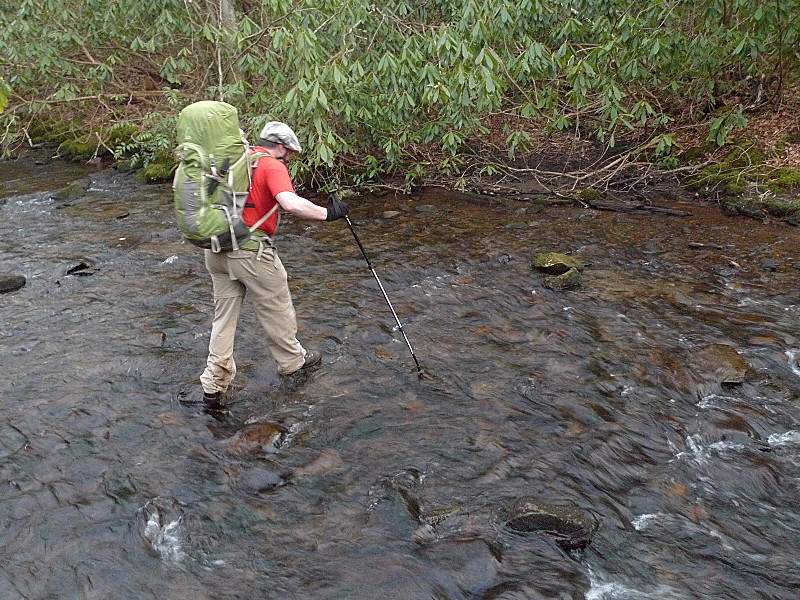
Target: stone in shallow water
566, 281
260, 479
554, 263
257, 438
9, 283
73, 191
720, 363
569, 529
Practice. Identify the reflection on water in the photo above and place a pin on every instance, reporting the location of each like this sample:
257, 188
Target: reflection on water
367, 481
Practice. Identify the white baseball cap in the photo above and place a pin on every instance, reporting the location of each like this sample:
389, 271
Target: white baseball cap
281, 133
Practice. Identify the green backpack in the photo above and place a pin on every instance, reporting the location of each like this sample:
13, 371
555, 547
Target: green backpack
213, 177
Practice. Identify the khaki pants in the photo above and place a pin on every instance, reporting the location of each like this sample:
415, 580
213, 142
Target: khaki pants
233, 274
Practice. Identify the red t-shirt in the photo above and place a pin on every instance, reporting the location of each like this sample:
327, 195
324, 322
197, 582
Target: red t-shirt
270, 178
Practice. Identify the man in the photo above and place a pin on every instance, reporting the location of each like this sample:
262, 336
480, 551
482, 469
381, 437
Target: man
256, 269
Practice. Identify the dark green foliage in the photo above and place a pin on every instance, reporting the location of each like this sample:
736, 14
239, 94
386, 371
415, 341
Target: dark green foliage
404, 87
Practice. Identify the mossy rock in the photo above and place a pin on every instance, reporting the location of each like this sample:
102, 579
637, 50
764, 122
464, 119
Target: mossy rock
72, 191
783, 208
554, 263
124, 165
158, 172
718, 179
54, 131
745, 153
9, 283
743, 207
744, 164
100, 142
81, 150
695, 155
120, 135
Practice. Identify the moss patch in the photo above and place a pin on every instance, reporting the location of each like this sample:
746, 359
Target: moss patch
160, 169
55, 131
80, 150
783, 180
591, 195
719, 179
75, 143
120, 135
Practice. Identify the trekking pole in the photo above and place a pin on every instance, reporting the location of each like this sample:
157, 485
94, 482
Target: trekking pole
420, 372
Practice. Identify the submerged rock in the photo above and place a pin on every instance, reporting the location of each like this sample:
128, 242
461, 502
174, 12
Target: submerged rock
719, 363
566, 281
570, 529
83, 268
9, 283
257, 438
261, 479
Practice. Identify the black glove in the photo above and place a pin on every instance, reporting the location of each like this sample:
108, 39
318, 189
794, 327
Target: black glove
336, 208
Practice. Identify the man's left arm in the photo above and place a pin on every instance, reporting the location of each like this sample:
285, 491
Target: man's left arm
297, 205
303, 208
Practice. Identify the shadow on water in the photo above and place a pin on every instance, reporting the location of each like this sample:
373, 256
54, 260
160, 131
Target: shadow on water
658, 402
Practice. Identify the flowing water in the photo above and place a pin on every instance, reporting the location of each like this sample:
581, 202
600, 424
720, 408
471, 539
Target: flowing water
367, 481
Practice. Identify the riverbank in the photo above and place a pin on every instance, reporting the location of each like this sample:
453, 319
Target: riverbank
756, 174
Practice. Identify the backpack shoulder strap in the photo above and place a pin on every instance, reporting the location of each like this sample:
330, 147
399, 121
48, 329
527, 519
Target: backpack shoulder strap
254, 158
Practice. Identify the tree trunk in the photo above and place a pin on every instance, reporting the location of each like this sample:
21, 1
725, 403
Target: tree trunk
225, 17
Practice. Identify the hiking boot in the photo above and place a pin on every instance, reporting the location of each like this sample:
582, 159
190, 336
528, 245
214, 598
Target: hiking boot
293, 380
218, 411
209, 399
313, 358
212, 398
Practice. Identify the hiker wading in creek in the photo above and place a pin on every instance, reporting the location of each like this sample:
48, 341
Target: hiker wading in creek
256, 269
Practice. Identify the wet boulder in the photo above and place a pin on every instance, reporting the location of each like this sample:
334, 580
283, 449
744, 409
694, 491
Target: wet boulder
10, 283
569, 528
83, 268
564, 272
73, 191
554, 263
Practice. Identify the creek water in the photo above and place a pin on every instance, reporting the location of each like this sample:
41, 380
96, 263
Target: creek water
367, 481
